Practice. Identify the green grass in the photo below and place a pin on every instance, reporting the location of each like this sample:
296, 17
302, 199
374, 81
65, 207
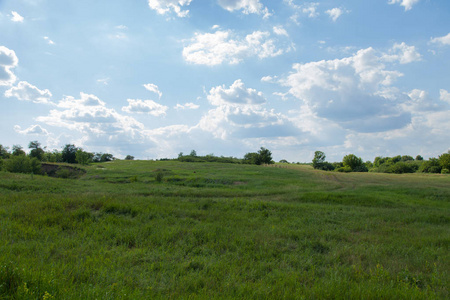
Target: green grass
210, 230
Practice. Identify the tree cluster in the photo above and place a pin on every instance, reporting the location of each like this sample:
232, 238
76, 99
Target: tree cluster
17, 160
397, 165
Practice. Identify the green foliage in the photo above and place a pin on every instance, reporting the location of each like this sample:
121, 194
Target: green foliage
318, 160
354, 163
4, 152
36, 150
159, 176
69, 154
431, 166
23, 164
1, 163
265, 156
102, 157
406, 158
17, 150
223, 231
283, 161
129, 157
445, 171
444, 160
193, 153
419, 157
82, 157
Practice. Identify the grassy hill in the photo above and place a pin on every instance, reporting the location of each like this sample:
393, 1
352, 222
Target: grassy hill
145, 229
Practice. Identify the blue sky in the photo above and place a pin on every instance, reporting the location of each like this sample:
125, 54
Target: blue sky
153, 78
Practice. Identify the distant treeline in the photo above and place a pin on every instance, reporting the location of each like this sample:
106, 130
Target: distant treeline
397, 165
17, 160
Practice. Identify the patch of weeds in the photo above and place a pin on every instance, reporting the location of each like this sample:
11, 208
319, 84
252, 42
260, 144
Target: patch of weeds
159, 176
120, 210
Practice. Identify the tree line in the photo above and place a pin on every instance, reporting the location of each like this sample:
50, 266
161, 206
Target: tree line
17, 160
398, 164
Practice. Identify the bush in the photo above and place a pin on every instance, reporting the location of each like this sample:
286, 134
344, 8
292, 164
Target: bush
445, 171
159, 176
346, 169
361, 168
400, 168
23, 164
430, 166
352, 161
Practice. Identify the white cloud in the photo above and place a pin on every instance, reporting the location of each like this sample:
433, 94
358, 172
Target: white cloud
444, 96
350, 91
145, 107
236, 95
90, 116
443, 40
16, 17
239, 113
407, 4
311, 9
247, 6
49, 41
279, 30
8, 60
221, 47
27, 92
153, 88
403, 53
189, 105
268, 78
104, 81
164, 6
32, 130
335, 13
86, 100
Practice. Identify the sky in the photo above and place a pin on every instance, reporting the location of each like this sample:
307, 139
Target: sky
153, 78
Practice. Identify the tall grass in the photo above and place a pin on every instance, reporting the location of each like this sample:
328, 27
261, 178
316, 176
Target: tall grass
223, 231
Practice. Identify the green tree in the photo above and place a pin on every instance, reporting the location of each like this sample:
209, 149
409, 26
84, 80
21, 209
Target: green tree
444, 160
431, 166
129, 157
36, 150
193, 153
419, 157
265, 156
69, 154
353, 162
4, 152
17, 150
251, 158
23, 164
318, 160
82, 157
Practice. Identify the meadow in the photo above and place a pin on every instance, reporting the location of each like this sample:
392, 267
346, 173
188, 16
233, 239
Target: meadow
174, 230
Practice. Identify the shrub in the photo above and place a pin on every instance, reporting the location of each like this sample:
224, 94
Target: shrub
23, 164
430, 166
346, 169
159, 176
400, 168
361, 168
445, 171
352, 161
444, 160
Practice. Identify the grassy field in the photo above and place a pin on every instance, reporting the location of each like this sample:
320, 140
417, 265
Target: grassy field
171, 230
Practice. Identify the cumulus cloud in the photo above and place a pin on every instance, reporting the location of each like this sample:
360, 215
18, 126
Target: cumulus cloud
153, 88
188, 105
407, 4
145, 107
32, 130
247, 6
355, 92
239, 113
443, 40
335, 13
27, 92
90, 115
279, 30
236, 94
222, 47
268, 78
310, 9
444, 96
165, 6
403, 53
86, 100
16, 17
8, 61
